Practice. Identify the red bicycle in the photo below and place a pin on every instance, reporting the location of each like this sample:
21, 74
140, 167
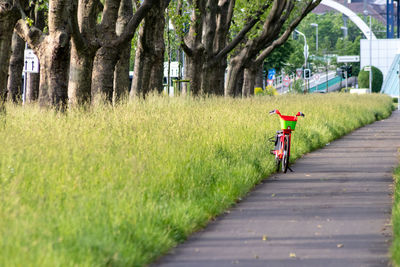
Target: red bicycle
283, 139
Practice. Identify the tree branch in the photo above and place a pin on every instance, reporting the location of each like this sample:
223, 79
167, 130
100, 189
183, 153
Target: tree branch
80, 42
182, 40
241, 34
32, 35
134, 22
283, 38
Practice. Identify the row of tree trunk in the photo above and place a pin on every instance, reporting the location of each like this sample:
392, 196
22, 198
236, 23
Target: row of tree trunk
86, 60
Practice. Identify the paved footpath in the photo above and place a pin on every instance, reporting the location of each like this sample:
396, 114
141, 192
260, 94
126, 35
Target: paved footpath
334, 210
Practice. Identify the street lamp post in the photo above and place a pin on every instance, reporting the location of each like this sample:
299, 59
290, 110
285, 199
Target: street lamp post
345, 29
316, 31
370, 54
366, 13
305, 53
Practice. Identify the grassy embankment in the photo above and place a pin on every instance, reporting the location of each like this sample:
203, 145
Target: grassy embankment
120, 186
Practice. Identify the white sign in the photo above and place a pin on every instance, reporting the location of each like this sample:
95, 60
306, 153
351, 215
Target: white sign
31, 61
348, 59
367, 68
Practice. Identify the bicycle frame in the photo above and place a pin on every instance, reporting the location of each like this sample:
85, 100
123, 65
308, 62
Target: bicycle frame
283, 139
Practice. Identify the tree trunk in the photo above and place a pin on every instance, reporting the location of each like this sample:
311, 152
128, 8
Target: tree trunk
149, 60
83, 52
193, 70
80, 78
8, 18
54, 56
121, 75
249, 81
259, 82
33, 79
15, 68
111, 44
234, 70
102, 78
53, 51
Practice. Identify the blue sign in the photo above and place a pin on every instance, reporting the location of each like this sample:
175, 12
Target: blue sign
271, 74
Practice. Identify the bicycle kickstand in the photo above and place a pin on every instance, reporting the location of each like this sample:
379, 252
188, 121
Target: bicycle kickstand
290, 169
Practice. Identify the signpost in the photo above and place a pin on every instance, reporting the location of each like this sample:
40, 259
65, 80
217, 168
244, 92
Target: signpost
286, 81
271, 74
299, 72
271, 77
346, 59
31, 64
31, 61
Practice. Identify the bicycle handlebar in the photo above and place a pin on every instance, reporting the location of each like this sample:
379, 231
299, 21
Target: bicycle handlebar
300, 114
275, 111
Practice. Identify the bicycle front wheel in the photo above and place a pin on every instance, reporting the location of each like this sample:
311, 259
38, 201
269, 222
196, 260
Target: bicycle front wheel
285, 157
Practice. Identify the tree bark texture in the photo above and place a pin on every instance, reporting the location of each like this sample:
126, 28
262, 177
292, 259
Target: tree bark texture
259, 76
149, 60
249, 77
121, 75
83, 51
53, 50
8, 17
15, 68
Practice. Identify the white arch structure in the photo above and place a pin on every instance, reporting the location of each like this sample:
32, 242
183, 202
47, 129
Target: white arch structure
352, 16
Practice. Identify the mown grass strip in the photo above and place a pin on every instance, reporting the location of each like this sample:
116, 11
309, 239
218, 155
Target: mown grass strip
120, 186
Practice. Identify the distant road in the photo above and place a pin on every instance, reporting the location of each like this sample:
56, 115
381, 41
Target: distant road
322, 78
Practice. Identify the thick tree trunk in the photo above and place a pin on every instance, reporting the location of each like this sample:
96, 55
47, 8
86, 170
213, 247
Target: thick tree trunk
121, 75
8, 18
80, 78
108, 55
54, 56
102, 78
259, 82
83, 51
249, 81
53, 51
193, 70
15, 68
234, 70
213, 78
149, 60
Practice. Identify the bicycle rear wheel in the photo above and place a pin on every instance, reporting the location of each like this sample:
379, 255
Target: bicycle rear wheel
277, 159
285, 158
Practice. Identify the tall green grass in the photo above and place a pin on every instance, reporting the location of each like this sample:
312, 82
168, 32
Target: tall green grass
395, 249
120, 186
